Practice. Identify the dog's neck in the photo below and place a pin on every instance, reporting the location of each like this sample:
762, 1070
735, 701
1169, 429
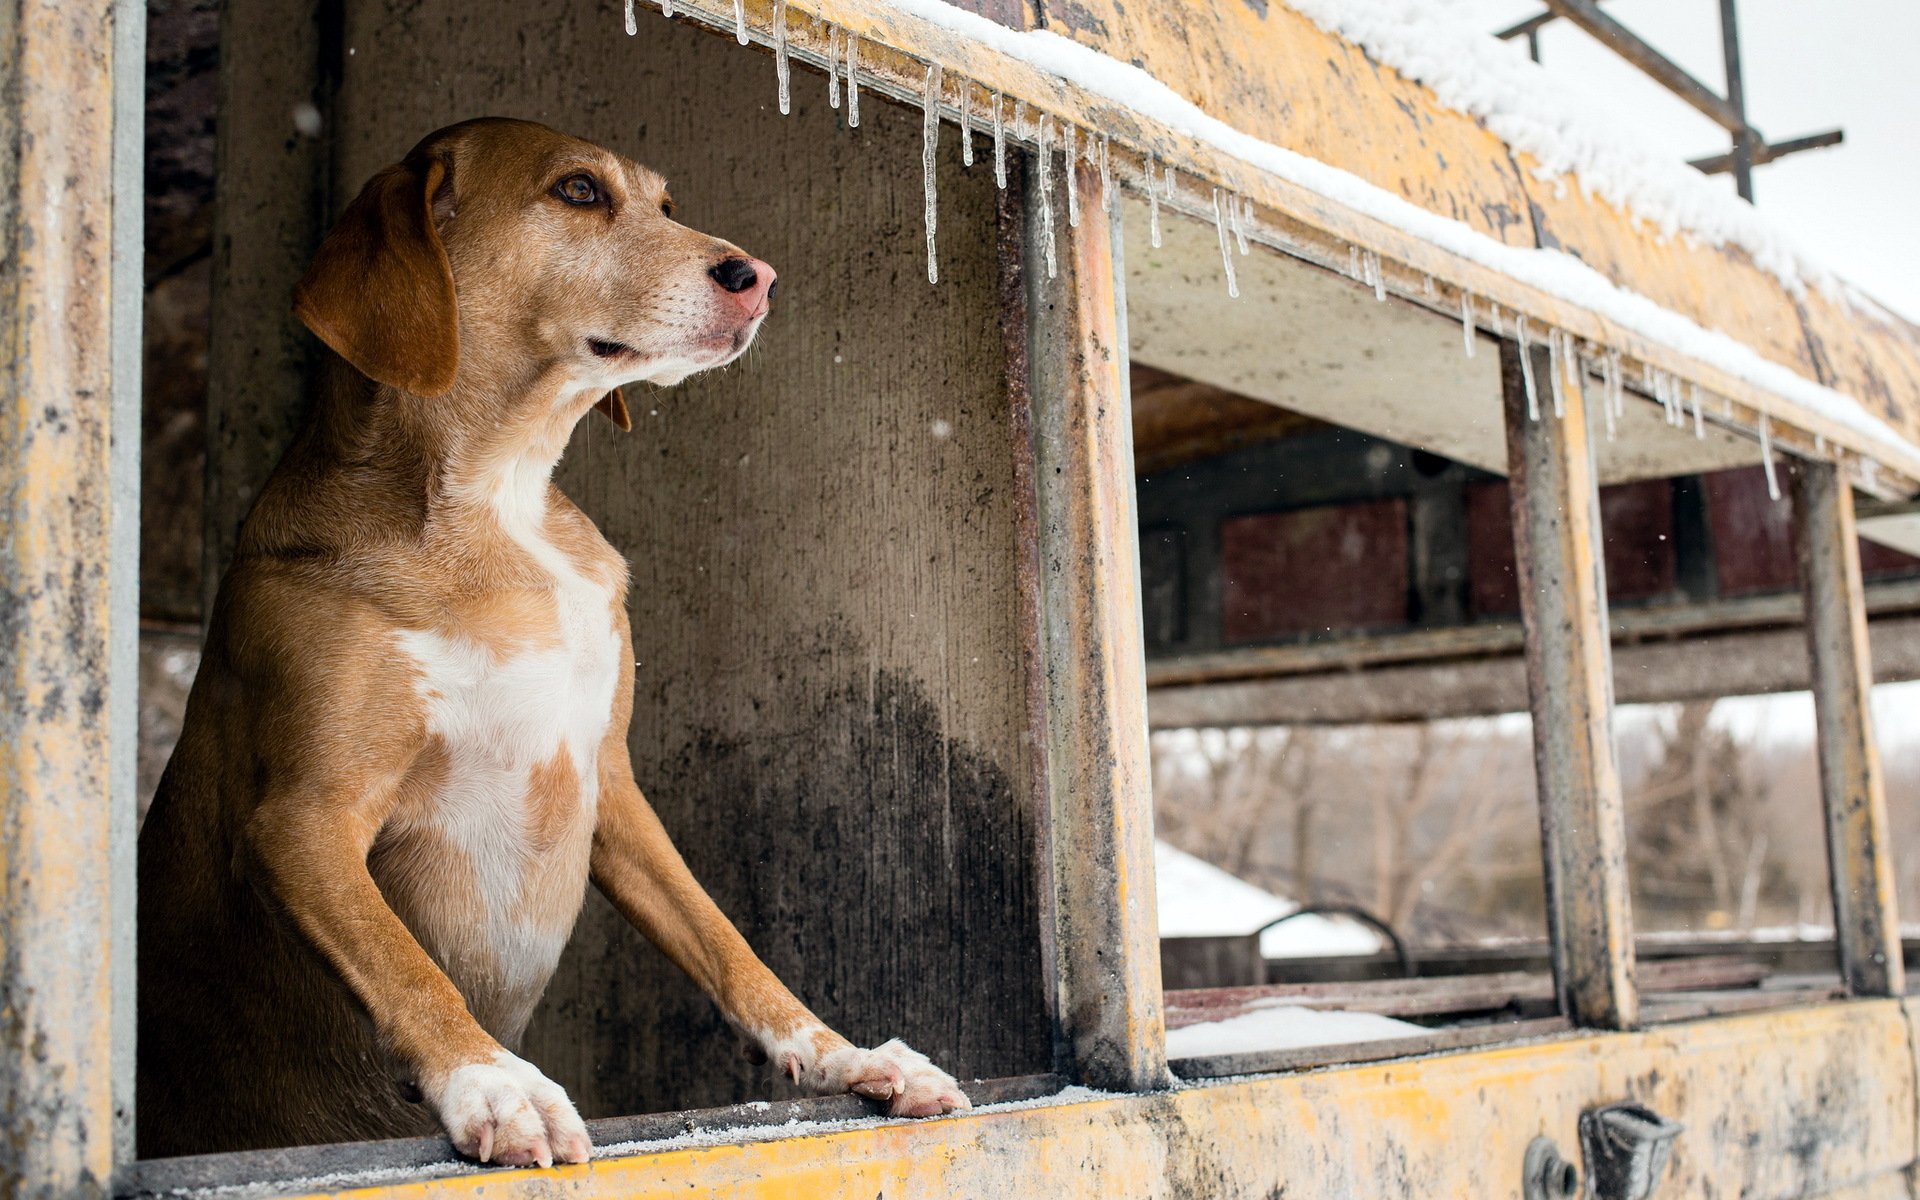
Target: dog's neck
478, 457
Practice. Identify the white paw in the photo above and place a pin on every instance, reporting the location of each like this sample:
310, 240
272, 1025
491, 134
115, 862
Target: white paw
507, 1112
895, 1073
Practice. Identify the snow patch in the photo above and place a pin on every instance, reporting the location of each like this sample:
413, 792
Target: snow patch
1198, 899
1285, 1027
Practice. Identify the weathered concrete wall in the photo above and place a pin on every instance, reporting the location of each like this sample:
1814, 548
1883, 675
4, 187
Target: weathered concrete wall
832, 714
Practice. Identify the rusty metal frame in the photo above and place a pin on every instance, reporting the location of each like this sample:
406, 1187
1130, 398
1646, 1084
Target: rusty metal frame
71, 136
1563, 602
1100, 791
1852, 786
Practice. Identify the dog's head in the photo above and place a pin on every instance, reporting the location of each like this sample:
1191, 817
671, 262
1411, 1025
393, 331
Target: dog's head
498, 250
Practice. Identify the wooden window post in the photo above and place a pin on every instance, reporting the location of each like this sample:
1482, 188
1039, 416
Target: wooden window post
1859, 849
1099, 777
1563, 602
70, 223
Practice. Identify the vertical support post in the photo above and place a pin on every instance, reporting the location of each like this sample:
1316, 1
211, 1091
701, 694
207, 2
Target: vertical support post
63, 550
1099, 777
1859, 846
1563, 603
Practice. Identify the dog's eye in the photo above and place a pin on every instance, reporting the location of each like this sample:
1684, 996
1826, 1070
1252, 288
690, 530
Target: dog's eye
578, 189
666, 207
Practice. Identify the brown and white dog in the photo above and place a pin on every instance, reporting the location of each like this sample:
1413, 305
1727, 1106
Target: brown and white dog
406, 751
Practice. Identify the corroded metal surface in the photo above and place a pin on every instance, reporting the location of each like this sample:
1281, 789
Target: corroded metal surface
1852, 786
1794, 1103
56, 393
1100, 778
1563, 594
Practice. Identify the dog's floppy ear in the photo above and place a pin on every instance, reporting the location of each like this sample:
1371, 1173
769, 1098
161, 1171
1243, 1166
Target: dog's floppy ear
380, 290
613, 406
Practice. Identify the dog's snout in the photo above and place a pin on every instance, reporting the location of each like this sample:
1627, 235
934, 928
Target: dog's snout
734, 274
748, 281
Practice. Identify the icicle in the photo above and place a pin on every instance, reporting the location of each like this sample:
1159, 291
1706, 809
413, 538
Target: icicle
1610, 391
1239, 230
1172, 179
1153, 206
1226, 250
1068, 153
740, 21
833, 67
1526, 368
1247, 222
1426, 285
633, 26
1557, 365
1766, 458
1046, 193
1019, 115
1375, 277
999, 142
1699, 424
1466, 320
853, 80
966, 124
1106, 175
929, 148
781, 67
666, 8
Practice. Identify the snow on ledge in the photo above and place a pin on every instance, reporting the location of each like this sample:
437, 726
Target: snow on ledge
1198, 899
1550, 271
1285, 1027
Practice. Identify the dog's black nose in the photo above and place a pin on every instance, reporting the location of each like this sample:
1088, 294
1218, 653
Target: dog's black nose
733, 274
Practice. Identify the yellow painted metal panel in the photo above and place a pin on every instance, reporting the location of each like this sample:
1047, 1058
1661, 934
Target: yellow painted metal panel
1782, 1104
1717, 287
1271, 72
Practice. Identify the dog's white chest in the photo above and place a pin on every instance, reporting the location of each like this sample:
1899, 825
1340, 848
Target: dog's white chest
518, 716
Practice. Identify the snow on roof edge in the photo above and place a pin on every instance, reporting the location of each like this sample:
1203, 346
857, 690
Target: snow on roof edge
1550, 271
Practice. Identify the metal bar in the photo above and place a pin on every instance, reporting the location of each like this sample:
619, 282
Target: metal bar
1107, 949
1563, 597
1859, 846
1766, 152
1743, 139
1624, 42
123, 567
1487, 639
60, 401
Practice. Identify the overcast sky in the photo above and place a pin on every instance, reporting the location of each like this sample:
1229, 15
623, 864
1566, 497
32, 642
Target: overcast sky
1810, 65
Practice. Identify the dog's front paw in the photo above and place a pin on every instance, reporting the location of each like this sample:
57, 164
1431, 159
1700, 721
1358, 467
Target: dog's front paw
895, 1073
507, 1112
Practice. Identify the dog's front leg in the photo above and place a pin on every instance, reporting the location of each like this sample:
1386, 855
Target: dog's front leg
636, 865
311, 859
